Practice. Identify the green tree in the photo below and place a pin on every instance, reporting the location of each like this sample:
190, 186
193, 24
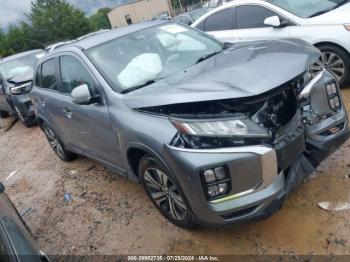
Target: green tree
3, 47
53, 20
100, 19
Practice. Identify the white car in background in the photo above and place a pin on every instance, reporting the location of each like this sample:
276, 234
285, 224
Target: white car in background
323, 23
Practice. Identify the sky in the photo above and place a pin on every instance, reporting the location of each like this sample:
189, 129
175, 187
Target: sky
12, 11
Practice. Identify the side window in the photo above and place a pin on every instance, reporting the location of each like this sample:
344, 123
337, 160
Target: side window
222, 20
201, 24
186, 20
251, 16
74, 74
37, 76
178, 19
48, 75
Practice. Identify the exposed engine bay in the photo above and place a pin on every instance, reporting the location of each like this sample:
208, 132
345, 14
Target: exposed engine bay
269, 111
279, 118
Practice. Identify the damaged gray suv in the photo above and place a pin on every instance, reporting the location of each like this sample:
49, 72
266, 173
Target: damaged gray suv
216, 133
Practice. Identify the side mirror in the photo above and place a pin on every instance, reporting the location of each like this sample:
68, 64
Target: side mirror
273, 21
81, 95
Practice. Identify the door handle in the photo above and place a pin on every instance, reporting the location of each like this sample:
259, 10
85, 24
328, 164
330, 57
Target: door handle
67, 112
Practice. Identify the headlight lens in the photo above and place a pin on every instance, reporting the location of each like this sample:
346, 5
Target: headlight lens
347, 26
21, 88
239, 126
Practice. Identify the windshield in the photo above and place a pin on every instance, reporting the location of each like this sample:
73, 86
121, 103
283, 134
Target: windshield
19, 66
308, 8
195, 14
151, 54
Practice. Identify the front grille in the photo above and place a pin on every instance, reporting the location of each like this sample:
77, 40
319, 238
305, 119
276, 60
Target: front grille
239, 213
289, 149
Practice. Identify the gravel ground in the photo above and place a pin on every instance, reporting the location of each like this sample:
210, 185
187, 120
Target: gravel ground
108, 214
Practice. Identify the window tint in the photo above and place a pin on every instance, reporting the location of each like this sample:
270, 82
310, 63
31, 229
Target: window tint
48, 76
74, 74
222, 20
37, 76
250, 16
186, 20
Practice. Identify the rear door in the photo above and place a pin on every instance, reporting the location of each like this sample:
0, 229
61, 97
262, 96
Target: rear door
250, 24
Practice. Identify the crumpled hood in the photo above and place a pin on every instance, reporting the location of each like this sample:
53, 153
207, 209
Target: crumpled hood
21, 78
244, 70
340, 15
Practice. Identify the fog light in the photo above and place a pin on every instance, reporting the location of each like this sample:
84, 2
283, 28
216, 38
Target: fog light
334, 88
213, 191
329, 90
223, 188
209, 176
336, 101
216, 182
332, 103
220, 173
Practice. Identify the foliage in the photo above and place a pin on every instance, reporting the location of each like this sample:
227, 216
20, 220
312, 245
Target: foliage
100, 19
52, 20
49, 21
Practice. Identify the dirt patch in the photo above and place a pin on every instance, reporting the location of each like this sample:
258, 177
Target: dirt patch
82, 208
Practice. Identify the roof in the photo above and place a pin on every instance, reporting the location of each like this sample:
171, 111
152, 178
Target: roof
106, 36
19, 55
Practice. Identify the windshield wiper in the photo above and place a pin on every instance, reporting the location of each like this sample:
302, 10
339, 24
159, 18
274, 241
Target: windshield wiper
330, 9
147, 83
205, 57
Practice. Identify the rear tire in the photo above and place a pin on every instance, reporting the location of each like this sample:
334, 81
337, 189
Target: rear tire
165, 192
337, 61
57, 145
4, 114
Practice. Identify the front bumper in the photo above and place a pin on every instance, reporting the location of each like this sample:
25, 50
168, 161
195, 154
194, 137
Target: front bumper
24, 105
262, 176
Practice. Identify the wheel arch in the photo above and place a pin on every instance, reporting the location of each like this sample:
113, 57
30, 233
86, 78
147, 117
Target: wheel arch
325, 43
136, 151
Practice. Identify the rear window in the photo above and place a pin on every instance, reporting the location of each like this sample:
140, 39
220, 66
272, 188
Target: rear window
48, 75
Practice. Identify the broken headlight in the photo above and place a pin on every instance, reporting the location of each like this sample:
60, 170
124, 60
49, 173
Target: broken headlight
216, 133
16, 90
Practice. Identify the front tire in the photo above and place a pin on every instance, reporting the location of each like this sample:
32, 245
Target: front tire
57, 145
165, 192
336, 60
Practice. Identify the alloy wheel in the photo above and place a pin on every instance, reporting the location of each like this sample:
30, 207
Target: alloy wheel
164, 193
331, 61
54, 142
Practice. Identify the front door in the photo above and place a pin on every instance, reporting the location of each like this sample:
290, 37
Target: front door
250, 24
88, 126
